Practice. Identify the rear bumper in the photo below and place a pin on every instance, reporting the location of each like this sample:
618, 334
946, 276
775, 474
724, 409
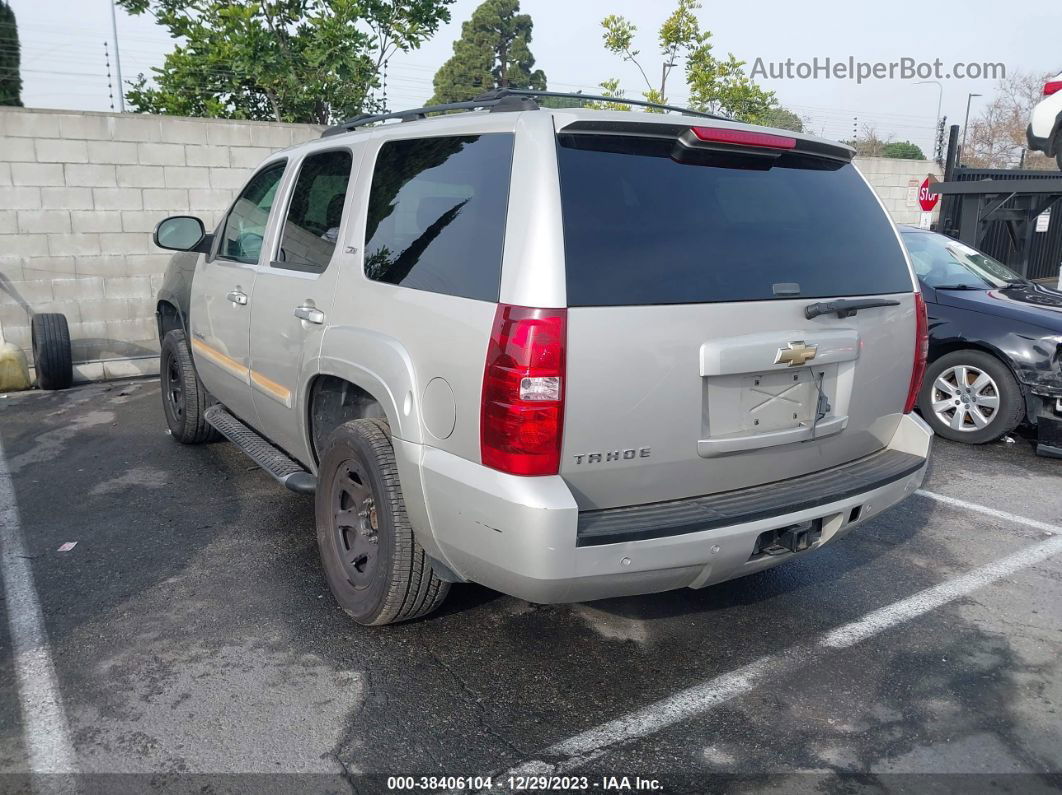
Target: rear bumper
521, 536
1037, 143
1042, 134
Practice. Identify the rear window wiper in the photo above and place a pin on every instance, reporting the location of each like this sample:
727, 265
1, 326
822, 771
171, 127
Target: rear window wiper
846, 307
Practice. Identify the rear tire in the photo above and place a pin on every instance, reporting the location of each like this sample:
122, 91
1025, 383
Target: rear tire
970, 396
183, 395
374, 566
50, 339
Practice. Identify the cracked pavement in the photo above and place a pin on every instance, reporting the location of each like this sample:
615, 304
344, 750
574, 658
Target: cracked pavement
193, 636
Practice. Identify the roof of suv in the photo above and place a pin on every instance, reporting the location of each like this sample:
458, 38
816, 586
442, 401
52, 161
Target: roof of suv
586, 118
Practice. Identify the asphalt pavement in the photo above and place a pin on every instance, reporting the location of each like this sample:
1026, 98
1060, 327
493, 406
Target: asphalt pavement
195, 645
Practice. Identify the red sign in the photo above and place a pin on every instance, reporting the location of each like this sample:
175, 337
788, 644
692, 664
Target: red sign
928, 202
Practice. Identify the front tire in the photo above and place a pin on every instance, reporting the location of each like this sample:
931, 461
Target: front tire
374, 566
970, 396
183, 396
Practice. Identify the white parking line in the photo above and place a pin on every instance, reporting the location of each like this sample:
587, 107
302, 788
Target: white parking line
45, 730
569, 754
973, 506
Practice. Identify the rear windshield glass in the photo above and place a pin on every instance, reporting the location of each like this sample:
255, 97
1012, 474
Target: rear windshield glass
641, 228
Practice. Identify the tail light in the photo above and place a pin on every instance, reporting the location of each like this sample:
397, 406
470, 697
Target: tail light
921, 353
1053, 87
723, 135
522, 413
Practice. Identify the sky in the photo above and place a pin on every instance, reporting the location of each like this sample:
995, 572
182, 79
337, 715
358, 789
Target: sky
63, 62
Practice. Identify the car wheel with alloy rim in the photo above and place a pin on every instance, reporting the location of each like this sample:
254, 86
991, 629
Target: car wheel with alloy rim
970, 396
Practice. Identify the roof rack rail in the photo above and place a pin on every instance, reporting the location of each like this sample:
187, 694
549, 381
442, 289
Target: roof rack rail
528, 92
500, 100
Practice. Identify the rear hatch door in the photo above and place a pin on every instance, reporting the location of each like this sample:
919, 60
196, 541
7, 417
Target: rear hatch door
693, 366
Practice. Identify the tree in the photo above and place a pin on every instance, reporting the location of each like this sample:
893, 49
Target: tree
314, 61
869, 143
783, 119
996, 138
902, 150
493, 52
10, 76
715, 86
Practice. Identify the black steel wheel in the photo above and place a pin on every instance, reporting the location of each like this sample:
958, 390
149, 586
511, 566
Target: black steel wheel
374, 566
356, 523
184, 400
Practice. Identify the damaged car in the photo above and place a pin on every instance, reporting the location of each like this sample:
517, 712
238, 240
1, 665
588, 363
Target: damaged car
995, 345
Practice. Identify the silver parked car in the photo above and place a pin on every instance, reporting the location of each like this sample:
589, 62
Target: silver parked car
567, 354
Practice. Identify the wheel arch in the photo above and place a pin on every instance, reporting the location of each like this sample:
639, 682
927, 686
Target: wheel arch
169, 317
380, 384
332, 401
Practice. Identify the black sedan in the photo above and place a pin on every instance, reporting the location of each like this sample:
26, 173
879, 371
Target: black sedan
995, 345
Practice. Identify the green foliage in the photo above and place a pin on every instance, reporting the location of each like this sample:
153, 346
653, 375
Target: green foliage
312, 61
903, 150
560, 103
10, 77
715, 86
783, 119
609, 88
493, 52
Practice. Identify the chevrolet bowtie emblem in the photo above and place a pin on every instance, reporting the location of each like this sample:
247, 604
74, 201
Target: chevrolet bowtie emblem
796, 354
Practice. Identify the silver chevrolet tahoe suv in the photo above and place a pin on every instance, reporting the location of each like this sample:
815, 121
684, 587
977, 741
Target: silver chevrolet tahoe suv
565, 353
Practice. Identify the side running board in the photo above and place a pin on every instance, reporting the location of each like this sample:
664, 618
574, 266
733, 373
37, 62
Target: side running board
262, 452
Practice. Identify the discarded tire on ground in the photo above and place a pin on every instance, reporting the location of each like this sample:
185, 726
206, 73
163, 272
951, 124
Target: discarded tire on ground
50, 336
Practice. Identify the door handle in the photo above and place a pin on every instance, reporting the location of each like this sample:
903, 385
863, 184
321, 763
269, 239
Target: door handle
238, 297
310, 314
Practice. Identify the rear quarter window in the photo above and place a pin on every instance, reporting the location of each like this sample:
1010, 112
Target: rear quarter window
436, 216
641, 228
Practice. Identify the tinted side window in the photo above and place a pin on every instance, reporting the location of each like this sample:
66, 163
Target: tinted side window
436, 217
245, 225
314, 212
641, 228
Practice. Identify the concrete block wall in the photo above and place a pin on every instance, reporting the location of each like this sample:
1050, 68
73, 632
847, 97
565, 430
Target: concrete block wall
896, 182
79, 196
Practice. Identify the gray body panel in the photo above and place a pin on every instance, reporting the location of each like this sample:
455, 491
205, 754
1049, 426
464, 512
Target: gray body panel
674, 380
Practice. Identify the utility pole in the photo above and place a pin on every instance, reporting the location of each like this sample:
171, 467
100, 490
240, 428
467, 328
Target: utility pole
117, 58
940, 154
965, 124
940, 100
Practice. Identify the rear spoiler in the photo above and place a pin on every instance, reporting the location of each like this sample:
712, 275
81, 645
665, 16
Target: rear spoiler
694, 139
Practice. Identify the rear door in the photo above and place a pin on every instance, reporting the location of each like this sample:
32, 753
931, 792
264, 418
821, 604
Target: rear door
293, 296
221, 293
692, 366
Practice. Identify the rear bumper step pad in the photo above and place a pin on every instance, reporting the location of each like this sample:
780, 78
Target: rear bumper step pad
696, 514
277, 463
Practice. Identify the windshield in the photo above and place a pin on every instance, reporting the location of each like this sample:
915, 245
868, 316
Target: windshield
941, 262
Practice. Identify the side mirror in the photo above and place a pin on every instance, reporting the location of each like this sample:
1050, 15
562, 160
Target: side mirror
182, 233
